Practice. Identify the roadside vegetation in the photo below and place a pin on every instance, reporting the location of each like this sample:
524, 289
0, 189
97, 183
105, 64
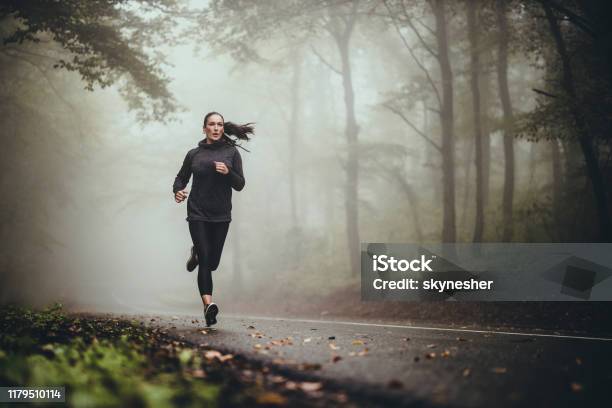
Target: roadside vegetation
106, 361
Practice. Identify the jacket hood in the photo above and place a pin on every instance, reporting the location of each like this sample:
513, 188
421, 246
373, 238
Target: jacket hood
214, 145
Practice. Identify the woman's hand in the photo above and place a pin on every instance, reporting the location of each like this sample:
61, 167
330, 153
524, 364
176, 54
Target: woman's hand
220, 167
180, 196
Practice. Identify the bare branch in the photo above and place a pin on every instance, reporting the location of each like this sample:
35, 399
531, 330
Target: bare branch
416, 60
541, 92
409, 123
416, 32
428, 28
330, 66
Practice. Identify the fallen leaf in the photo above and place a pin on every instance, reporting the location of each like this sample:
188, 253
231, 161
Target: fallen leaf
499, 370
198, 373
333, 346
310, 386
203, 332
342, 398
445, 353
363, 352
335, 359
271, 398
277, 379
225, 357
210, 354
430, 355
357, 343
48, 347
258, 346
466, 372
576, 387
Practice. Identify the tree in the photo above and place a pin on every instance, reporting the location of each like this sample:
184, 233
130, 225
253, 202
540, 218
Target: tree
504, 93
102, 41
474, 79
400, 15
298, 20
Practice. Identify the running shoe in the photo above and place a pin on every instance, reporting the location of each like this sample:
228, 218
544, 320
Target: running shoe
210, 314
192, 262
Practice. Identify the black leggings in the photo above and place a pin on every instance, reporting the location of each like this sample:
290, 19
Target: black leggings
208, 239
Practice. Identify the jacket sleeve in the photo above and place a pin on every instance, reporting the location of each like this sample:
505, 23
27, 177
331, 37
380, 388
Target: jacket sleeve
235, 172
184, 174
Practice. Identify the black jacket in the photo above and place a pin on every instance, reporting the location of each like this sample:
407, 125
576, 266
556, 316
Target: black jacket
210, 198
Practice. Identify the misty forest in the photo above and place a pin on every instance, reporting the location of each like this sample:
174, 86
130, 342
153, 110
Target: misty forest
375, 121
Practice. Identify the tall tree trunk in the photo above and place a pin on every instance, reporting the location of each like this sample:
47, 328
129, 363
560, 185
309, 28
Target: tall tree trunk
584, 137
294, 127
557, 183
504, 93
474, 74
469, 148
449, 232
485, 99
533, 157
431, 157
342, 35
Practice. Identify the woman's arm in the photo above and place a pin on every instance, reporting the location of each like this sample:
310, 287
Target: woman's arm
235, 172
184, 174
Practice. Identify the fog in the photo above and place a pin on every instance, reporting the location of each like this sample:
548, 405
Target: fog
89, 217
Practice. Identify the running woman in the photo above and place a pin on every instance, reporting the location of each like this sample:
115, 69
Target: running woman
216, 166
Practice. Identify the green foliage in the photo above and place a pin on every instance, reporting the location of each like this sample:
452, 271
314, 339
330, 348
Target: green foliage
103, 41
101, 362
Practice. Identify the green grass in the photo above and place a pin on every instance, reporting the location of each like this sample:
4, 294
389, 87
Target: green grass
101, 362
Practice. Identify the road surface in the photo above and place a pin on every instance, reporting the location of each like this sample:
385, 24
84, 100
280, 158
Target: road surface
424, 365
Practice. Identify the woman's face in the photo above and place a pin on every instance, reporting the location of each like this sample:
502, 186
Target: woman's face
214, 127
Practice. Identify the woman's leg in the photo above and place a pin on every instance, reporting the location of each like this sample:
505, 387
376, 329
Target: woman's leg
218, 233
201, 241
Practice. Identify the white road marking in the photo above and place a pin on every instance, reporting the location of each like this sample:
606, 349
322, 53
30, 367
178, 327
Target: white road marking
390, 326
447, 329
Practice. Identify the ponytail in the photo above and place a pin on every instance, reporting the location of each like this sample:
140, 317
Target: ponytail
241, 132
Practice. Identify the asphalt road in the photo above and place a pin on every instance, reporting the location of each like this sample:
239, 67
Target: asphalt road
425, 365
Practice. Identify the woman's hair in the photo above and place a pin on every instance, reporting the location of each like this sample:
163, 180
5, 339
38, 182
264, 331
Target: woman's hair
242, 132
